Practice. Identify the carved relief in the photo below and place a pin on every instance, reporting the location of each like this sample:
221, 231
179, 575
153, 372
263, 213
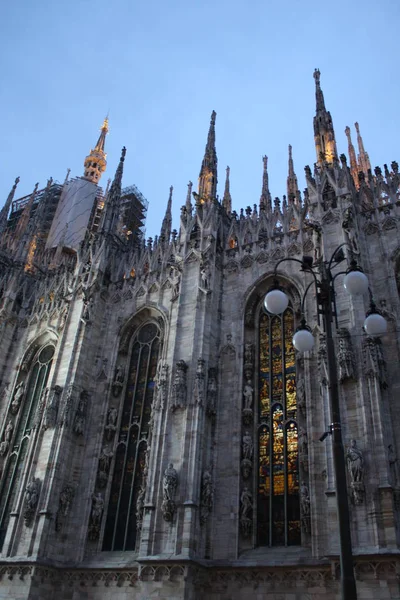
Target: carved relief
96, 515
199, 383
64, 504
80, 415
207, 495
31, 500
178, 397
118, 381
345, 356
355, 467
51, 411
170, 483
246, 511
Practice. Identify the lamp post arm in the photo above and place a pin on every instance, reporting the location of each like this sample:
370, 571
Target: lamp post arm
305, 294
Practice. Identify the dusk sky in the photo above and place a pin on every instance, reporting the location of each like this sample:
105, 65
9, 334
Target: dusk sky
160, 68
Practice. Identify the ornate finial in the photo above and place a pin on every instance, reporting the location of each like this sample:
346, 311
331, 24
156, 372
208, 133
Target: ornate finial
6, 208
317, 76
265, 199
67, 176
363, 159
95, 162
208, 171
352, 155
167, 221
292, 185
227, 200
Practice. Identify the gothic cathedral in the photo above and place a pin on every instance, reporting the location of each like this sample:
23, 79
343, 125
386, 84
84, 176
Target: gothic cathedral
159, 433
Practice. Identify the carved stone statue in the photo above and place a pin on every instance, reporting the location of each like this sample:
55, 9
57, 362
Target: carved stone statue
199, 383
350, 231
118, 382
323, 360
248, 395
111, 425
247, 447
205, 277
161, 381
178, 399
355, 466
248, 360
303, 442
96, 516
393, 466
51, 411
246, 509
212, 393
301, 395
170, 483
31, 500
305, 507
207, 495
40, 408
80, 416
374, 361
247, 403
17, 399
66, 497
345, 356
9, 431
104, 465
176, 284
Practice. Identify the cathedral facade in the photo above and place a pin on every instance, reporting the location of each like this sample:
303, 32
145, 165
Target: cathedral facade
159, 434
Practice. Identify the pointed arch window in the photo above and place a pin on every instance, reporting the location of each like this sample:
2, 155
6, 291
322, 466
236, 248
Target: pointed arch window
278, 502
129, 470
23, 429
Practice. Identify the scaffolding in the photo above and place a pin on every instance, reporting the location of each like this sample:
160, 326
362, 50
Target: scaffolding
133, 211
49, 195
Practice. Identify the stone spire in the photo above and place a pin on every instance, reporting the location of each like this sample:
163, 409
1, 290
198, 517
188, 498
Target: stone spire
227, 199
292, 185
352, 155
208, 171
265, 199
188, 203
6, 208
167, 221
95, 163
113, 196
363, 158
324, 134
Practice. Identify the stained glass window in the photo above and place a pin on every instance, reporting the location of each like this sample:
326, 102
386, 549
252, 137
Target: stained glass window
121, 527
278, 503
14, 465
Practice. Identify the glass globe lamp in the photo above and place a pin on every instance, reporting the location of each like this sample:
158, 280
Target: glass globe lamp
375, 325
356, 282
276, 302
303, 339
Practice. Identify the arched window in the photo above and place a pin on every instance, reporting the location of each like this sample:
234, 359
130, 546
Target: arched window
22, 419
278, 502
129, 471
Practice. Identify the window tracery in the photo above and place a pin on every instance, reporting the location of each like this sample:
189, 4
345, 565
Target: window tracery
125, 506
278, 502
23, 429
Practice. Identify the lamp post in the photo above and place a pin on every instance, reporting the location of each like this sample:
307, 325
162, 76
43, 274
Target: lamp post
276, 301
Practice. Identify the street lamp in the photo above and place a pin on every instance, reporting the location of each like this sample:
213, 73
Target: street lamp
275, 302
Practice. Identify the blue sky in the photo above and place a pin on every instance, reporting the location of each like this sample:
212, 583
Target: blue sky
160, 68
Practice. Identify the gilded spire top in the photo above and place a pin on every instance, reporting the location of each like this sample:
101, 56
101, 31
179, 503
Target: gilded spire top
95, 162
208, 171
